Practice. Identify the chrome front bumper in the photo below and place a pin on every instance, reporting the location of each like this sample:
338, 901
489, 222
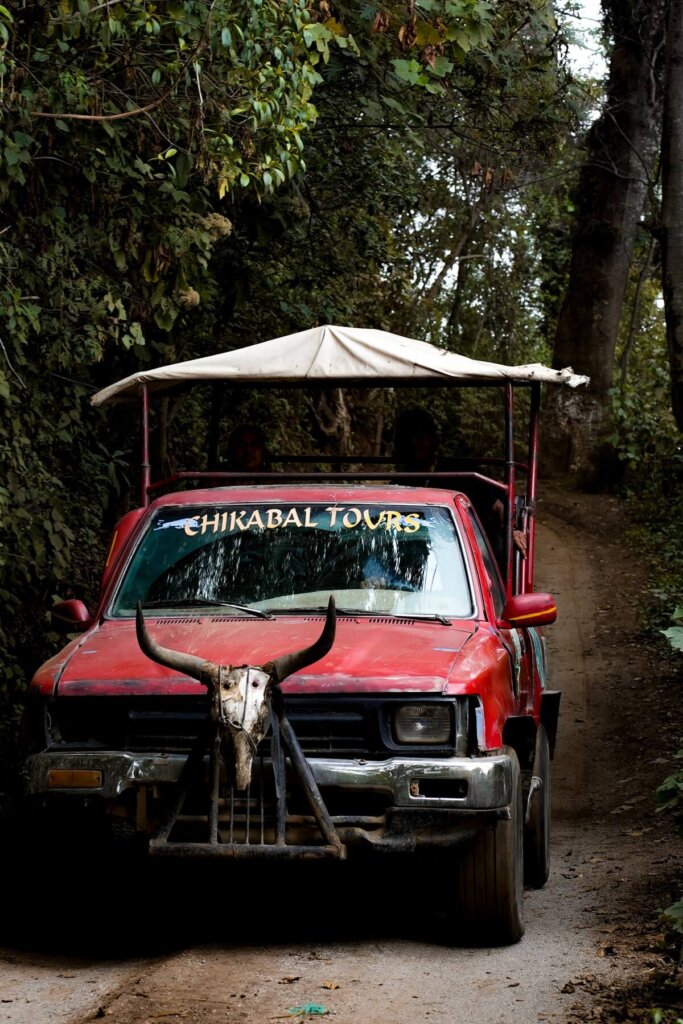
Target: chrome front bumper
482, 783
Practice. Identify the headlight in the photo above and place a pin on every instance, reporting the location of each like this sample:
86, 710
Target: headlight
423, 723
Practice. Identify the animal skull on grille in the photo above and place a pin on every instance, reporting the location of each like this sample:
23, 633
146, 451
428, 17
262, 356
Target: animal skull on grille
240, 695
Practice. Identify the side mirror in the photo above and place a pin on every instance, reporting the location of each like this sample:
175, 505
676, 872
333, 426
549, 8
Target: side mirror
71, 616
530, 610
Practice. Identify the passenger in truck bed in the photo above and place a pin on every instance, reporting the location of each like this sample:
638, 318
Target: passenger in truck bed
247, 453
416, 444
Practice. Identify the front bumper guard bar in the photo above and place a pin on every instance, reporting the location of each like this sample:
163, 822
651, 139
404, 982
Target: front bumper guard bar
225, 840
487, 779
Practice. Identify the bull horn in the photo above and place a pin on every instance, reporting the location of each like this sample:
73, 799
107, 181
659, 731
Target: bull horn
282, 667
198, 668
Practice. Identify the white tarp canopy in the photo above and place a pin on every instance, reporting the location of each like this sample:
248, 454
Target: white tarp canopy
329, 354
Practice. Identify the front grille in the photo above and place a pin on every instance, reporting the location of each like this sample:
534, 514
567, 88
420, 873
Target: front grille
171, 725
336, 726
346, 732
164, 724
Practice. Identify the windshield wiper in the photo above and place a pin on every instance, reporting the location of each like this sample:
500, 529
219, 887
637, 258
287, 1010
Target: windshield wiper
204, 602
320, 610
427, 616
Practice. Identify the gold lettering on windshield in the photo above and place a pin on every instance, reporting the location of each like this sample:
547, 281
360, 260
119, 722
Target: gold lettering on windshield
292, 518
333, 509
411, 522
357, 516
368, 519
255, 520
192, 530
236, 520
301, 518
274, 518
205, 522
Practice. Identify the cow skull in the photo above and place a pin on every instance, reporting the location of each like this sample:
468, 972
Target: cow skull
240, 695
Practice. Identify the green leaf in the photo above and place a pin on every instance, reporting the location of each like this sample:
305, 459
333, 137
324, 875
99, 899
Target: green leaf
442, 67
409, 71
394, 104
675, 637
673, 916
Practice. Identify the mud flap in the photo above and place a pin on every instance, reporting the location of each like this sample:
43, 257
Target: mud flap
550, 713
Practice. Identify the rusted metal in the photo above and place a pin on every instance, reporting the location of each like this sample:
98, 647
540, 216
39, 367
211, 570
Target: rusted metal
191, 770
239, 851
279, 777
215, 776
271, 838
307, 779
439, 477
145, 466
244, 703
510, 485
532, 480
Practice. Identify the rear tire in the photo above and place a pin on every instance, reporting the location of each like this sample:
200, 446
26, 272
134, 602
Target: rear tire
537, 829
490, 877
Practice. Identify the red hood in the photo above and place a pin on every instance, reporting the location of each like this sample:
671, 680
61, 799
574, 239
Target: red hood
367, 655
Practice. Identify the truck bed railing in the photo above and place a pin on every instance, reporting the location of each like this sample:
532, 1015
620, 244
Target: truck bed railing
440, 478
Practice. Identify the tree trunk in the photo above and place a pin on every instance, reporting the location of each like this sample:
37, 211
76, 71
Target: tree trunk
613, 187
672, 203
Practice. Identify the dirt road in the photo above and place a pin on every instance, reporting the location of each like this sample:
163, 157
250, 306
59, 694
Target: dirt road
189, 947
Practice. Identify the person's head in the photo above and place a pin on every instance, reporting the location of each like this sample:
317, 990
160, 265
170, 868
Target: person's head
247, 450
415, 439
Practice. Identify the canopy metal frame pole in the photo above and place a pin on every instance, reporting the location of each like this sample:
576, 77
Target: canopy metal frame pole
510, 484
531, 485
145, 466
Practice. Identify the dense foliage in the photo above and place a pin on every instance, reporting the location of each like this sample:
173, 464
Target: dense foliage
187, 176
183, 177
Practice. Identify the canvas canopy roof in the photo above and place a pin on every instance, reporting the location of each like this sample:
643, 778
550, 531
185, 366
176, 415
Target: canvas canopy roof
333, 355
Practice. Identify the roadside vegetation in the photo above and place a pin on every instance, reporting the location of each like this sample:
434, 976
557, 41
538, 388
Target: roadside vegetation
188, 177
183, 178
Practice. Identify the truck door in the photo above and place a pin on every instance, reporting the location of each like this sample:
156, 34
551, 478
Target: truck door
516, 640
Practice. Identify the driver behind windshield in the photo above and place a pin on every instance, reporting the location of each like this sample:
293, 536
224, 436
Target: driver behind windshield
416, 444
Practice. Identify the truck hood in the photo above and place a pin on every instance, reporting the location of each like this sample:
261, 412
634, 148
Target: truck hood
368, 655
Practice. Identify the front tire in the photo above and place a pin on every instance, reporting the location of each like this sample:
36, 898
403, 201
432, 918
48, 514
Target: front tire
490, 876
537, 828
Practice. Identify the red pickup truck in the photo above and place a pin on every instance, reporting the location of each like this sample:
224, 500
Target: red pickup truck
310, 669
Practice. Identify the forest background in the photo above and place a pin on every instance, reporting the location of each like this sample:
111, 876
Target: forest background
191, 176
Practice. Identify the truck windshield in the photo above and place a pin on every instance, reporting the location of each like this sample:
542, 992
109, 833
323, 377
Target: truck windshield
373, 558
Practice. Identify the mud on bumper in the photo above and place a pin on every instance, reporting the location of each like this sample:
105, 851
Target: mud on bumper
417, 802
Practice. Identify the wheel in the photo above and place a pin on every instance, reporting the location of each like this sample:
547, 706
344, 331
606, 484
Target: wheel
537, 827
490, 877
